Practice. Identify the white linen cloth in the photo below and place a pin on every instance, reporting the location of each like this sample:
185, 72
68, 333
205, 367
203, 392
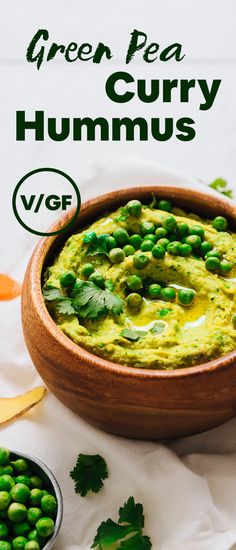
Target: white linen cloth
187, 486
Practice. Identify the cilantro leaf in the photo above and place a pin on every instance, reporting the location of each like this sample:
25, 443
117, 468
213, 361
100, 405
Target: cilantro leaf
124, 214
109, 284
52, 293
138, 542
127, 533
63, 303
221, 185
132, 513
133, 335
92, 302
89, 473
164, 311
97, 246
109, 532
153, 204
158, 327
65, 307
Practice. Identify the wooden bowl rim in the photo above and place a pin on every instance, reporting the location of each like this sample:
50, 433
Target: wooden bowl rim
94, 361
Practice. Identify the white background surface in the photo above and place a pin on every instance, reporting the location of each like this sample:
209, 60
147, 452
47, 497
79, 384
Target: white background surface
189, 488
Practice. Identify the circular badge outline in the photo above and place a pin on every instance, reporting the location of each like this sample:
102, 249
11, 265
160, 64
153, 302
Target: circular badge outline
37, 171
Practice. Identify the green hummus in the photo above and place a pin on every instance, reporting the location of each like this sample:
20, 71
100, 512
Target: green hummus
160, 334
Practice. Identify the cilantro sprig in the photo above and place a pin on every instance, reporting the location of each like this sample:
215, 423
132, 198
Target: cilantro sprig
96, 245
221, 185
89, 473
135, 335
86, 300
128, 532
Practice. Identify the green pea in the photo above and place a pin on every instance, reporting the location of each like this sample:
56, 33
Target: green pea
36, 482
205, 247
234, 320
45, 492
220, 223
36, 496
135, 240
161, 232
32, 545
4, 545
87, 270
6, 482
140, 260
186, 296
4, 456
23, 479
164, 204
194, 241
33, 514
134, 282
158, 251
45, 527
173, 248
67, 279
197, 230
154, 290
134, 300
163, 242
215, 253
4, 530
19, 543
182, 229
117, 255
168, 294
129, 250
8, 470
17, 512
20, 465
134, 207
49, 504
147, 227
121, 236
111, 243
5, 499
22, 529
225, 266
185, 249
97, 279
20, 493
147, 245
150, 237
33, 535
170, 224
212, 264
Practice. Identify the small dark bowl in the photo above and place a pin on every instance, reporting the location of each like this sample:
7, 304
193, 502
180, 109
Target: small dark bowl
39, 468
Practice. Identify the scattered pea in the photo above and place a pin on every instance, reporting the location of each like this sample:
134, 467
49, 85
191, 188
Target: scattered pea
220, 223
36, 496
186, 296
150, 237
5, 500
168, 294
194, 241
87, 270
67, 279
4, 456
90, 237
135, 240
212, 264
4, 545
154, 290
182, 229
23, 479
20, 493
225, 266
163, 242
48, 504
17, 512
121, 236
34, 514
185, 249
173, 248
147, 227
36, 482
32, 545
97, 280
134, 300
134, 282
6, 482
19, 543
205, 247
158, 251
140, 261
20, 465
111, 243
147, 245
129, 250
161, 232
134, 207
6, 470
170, 223
164, 204
216, 253
197, 230
117, 255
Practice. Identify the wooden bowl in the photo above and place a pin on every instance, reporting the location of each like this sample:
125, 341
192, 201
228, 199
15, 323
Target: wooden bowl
143, 404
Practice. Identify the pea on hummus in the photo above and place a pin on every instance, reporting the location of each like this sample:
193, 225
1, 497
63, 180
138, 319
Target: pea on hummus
147, 286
